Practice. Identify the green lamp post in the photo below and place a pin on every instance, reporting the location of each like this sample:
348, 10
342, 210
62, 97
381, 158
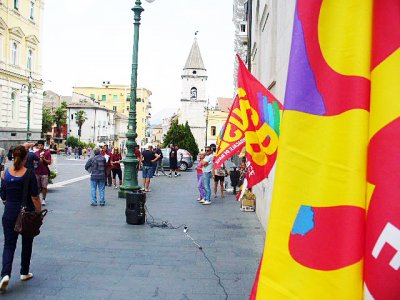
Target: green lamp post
130, 162
30, 88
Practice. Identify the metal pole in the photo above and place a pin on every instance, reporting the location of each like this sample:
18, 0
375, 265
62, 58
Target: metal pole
130, 162
28, 135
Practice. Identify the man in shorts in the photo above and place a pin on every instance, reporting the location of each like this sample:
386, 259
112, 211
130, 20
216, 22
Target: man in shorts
42, 171
149, 158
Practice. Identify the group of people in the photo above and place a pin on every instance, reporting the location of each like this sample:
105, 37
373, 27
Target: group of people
205, 171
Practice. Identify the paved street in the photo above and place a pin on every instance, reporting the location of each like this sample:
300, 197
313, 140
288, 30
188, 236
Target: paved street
89, 252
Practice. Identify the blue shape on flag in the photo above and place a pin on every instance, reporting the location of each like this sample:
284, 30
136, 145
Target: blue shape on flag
304, 222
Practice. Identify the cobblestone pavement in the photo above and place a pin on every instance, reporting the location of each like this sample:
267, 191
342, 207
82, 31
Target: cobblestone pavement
89, 252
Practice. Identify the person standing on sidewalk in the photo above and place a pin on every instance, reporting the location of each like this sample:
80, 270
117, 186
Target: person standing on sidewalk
173, 161
12, 191
200, 184
42, 171
207, 163
116, 159
96, 166
2, 159
159, 161
148, 158
32, 159
107, 155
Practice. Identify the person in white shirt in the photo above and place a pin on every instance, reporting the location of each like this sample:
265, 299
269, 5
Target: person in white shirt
207, 163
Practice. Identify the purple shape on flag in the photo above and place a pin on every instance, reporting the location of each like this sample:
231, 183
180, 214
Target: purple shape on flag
301, 89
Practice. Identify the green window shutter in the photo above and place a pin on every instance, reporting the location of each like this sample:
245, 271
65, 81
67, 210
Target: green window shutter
115, 98
103, 98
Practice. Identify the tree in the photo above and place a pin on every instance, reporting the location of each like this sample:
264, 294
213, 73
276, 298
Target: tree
72, 141
181, 135
80, 118
47, 120
60, 117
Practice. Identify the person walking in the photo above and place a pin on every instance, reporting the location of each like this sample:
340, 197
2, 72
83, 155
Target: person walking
84, 152
96, 166
42, 171
219, 176
173, 161
200, 184
179, 158
107, 154
148, 159
207, 163
11, 192
159, 161
116, 159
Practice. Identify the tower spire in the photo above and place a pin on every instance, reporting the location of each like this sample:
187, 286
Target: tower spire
194, 60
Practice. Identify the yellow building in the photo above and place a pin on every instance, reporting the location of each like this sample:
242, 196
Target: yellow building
20, 57
117, 98
216, 119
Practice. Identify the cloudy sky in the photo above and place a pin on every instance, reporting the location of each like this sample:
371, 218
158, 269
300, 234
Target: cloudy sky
86, 42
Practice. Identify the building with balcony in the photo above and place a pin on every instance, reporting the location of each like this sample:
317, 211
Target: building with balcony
117, 98
20, 57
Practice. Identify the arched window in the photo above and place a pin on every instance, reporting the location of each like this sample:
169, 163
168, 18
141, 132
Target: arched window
193, 93
14, 51
29, 60
13, 104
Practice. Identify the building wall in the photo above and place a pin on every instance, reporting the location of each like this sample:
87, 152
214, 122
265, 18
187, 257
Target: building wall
216, 119
272, 24
117, 98
17, 26
98, 128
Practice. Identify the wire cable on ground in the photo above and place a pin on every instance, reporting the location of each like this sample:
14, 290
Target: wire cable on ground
167, 225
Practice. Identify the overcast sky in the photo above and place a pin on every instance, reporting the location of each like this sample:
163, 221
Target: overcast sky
86, 42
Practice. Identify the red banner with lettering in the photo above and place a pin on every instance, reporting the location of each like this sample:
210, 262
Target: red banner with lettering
261, 114
231, 139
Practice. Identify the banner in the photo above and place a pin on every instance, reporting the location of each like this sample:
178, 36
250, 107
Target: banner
382, 253
315, 237
261, 114
231, 139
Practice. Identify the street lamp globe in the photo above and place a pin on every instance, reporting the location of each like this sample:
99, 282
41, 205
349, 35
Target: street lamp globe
30, 80
150, 1
30, 94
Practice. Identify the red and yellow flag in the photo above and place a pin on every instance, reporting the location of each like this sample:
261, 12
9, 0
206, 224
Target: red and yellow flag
231, 139
260, 113
334, 227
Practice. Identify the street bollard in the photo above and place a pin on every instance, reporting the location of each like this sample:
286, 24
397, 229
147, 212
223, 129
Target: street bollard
135, 208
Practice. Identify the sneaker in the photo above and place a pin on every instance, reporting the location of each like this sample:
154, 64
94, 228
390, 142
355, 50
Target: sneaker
115, 187
44, 202
198, 199
176, 175
26, 277
4, 283
169, 175
102, 204
206, 203
202, 201
93, 204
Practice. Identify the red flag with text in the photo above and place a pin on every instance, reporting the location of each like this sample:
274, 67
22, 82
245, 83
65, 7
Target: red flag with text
260, 114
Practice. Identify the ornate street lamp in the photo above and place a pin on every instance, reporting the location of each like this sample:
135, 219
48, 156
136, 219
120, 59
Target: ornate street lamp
130, 162
31, 89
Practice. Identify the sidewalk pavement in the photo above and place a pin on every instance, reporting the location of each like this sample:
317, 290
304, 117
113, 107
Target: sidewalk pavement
89, 252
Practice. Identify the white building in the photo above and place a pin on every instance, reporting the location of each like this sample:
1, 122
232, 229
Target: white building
194, 98
99, 126
269, 37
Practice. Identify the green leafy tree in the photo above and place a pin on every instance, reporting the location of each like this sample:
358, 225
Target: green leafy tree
60, 117
47, 120
181, 135
80, 120
72, 142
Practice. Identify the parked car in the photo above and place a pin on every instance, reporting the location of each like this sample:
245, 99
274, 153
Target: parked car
184, 164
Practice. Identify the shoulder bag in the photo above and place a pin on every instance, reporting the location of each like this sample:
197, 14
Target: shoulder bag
28, 222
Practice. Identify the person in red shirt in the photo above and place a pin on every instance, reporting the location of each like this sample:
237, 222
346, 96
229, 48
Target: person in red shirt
116, 159
107, 155
42, 171
138, 156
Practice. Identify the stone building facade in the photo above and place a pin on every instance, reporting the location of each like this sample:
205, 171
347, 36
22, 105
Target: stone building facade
20, 58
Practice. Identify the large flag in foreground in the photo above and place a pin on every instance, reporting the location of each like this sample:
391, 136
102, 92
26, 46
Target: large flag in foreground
261, 115
335, 156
